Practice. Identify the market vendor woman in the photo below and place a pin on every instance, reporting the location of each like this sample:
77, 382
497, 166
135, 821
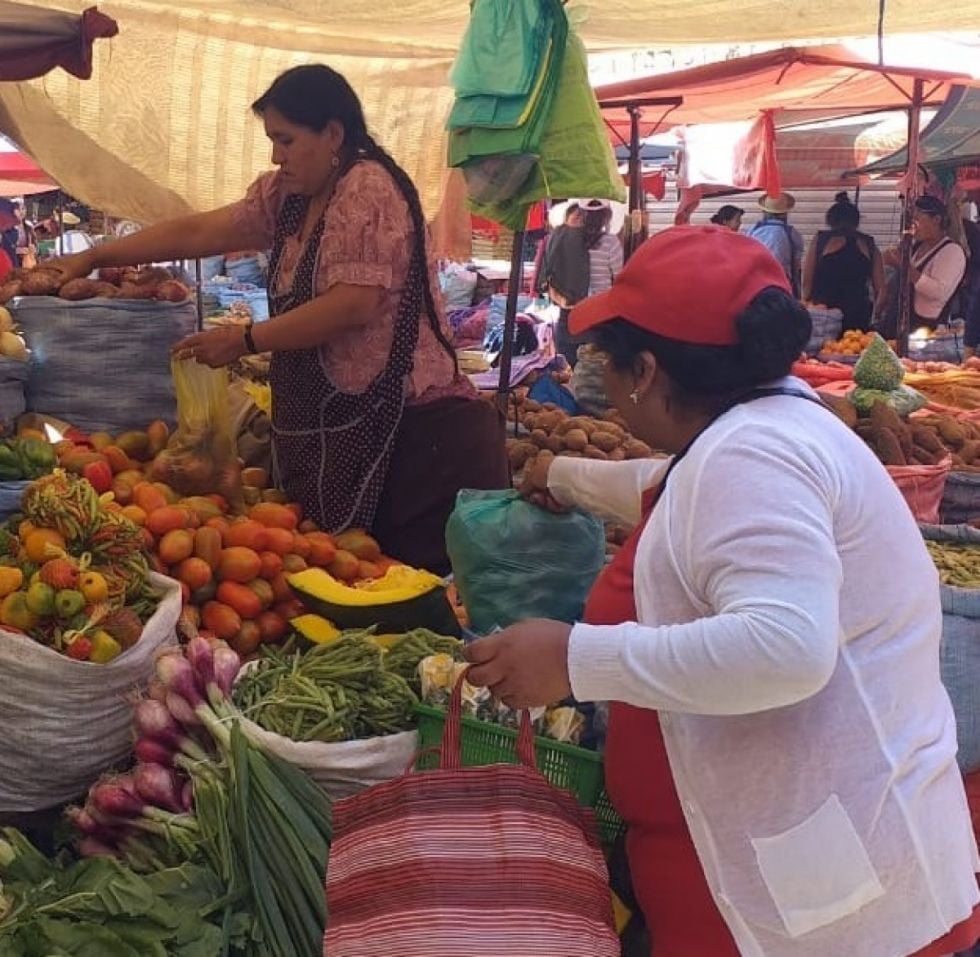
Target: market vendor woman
780, 743
373, 426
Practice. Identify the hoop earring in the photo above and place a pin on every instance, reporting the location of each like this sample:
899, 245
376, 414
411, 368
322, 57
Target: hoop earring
335, 161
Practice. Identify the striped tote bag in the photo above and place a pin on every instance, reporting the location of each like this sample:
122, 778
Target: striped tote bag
467, 862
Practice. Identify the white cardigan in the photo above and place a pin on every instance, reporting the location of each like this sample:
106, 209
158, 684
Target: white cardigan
789, 637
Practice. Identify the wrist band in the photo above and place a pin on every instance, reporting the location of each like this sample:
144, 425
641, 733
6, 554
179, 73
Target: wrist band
249, 341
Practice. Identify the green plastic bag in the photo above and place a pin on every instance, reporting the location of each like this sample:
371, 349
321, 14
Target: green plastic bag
512, 560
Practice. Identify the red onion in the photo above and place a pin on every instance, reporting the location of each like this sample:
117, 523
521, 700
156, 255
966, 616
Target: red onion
156, 690
84, 821
201, 659
114, 800
176, 673
151, 751
187, 796
153, 720
181, 710
227, 664
158, 785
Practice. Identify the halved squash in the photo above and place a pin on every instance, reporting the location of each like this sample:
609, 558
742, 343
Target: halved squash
316, 629
414, 599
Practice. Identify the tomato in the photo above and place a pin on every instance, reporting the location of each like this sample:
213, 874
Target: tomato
195, 572
208, 546
273, 515
241, 598
272, 627
223, 621
247, 534
239, 564
175, 546
271, 565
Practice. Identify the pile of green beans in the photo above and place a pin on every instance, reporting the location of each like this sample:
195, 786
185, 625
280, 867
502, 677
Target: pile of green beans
335, 692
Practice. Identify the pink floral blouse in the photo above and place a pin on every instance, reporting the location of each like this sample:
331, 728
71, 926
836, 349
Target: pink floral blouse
367, 241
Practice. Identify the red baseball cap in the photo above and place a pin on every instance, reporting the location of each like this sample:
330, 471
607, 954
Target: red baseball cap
687, 283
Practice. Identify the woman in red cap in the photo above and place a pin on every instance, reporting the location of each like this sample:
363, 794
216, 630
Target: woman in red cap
780, 743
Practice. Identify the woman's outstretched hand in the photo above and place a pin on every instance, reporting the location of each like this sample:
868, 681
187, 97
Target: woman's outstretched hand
76, 266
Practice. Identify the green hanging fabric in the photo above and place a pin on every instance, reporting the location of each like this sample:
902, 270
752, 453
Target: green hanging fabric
575, 156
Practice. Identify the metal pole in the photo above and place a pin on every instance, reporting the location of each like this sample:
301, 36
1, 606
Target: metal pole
61, 224
510, 321
200, 294
911, 194
637, 231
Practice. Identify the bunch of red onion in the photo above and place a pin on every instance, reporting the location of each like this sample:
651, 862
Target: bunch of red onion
146, 816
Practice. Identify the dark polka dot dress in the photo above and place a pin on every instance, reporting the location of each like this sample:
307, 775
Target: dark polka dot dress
332, 449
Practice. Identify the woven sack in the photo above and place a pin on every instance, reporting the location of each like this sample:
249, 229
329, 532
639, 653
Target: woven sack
488, 860
961, 498
66, 722
102, 364
959, 651
13, 378
922, 487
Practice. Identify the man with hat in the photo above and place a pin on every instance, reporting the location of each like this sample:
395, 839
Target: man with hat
781, 239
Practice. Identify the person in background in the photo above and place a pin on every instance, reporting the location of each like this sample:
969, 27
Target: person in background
937, 266
8, 229
729, 216
779, 237
780, 743
841, 264
605, 250
971, 312
26, 240
373, 425
565, 274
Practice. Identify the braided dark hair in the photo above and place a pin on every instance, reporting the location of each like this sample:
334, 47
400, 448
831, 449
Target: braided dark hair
316, 95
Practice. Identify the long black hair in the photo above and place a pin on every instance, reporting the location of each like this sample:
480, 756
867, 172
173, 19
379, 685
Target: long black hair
772, 332
314, 96
595, 225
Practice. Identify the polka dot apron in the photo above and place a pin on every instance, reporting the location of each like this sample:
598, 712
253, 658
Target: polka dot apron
332, 449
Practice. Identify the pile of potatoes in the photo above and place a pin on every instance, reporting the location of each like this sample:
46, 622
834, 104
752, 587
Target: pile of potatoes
580, 436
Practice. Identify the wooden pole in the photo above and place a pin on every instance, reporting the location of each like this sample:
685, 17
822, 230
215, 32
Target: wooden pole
911, 194
637, 231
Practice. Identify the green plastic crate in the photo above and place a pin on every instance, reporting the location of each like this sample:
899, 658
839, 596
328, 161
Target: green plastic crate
566, 766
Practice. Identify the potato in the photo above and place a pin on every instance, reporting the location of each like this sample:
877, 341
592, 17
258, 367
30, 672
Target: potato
518, 453
571, 454
531, 405
554, 444
575, 440
77, 289
605, 441
539, 437
635, 449
617, 455
610, 428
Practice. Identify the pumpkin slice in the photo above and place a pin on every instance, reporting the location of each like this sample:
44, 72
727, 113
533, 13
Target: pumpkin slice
412, 599
316, 629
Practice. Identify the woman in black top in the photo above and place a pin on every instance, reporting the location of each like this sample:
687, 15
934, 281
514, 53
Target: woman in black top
840, 264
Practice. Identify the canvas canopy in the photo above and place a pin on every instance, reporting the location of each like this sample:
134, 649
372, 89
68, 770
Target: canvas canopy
795, 84
952, 139
164, 127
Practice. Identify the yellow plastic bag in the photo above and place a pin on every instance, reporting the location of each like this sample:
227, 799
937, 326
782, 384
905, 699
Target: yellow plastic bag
201, 457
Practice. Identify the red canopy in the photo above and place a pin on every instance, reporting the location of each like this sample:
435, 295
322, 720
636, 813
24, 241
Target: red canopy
795, 83
21, 176
35, 40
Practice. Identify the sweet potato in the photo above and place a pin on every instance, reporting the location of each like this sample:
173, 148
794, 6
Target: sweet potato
41, 282
635, 449
77, 289
591, 452
540, 438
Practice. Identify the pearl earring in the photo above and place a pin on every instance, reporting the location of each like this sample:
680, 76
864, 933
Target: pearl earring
335, 161
634, 397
